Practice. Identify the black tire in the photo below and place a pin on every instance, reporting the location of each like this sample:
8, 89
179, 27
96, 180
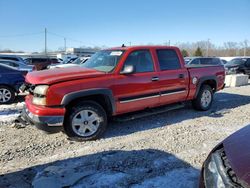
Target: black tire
11, 92
89, 106
197, 102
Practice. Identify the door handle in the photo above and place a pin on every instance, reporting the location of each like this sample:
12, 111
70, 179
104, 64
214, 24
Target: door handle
155, 78
181, 75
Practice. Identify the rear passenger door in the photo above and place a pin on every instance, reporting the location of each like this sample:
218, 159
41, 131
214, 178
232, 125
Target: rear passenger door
173, 77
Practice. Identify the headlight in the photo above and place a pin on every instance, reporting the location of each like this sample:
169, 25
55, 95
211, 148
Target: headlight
40, 92
215, 173
41, 89
39, 101
211, 172
232, 70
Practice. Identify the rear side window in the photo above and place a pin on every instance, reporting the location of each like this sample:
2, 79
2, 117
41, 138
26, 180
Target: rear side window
210, 61
9, 63
13, 59
4, 69
9, 58
216, 61
40, 60
205, 61
168, 59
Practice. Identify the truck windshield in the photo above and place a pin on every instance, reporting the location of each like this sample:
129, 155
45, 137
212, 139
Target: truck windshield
105, 60
236, 61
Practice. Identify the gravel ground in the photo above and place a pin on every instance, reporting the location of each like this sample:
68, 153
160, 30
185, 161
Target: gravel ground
165, 150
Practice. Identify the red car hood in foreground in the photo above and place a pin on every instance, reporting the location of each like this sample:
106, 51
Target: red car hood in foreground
60, 75
237, 148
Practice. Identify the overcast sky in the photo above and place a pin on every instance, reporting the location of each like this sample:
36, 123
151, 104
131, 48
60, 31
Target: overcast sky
114, 22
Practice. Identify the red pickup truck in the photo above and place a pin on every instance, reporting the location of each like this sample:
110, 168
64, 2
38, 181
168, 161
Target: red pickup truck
116, 81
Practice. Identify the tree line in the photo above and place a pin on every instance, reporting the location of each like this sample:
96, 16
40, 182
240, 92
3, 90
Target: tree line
206, 48
200, 48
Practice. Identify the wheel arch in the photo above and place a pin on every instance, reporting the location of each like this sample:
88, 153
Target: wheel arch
207, 80
104, 97
10, 86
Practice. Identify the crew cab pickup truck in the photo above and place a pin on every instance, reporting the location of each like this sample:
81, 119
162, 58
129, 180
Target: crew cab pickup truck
116, 81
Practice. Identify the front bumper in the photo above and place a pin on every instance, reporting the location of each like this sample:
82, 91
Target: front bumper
44, 118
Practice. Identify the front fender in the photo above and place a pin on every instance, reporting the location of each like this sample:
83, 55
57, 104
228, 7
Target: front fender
85, 93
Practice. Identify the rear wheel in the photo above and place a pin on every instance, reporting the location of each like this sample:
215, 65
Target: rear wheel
86, 121
204, 98
7, 95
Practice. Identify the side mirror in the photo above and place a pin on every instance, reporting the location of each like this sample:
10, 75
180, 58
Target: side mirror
128, 69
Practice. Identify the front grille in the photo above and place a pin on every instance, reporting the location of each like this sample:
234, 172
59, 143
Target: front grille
28, 87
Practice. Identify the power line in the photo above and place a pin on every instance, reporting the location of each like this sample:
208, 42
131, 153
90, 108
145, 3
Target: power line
45, 33
64, 37
67, 38
21, 35
38, 33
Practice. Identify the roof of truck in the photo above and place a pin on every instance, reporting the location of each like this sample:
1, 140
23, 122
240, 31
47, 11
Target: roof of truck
141, 47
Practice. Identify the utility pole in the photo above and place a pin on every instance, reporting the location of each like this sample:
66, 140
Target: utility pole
65, 45
245, 47
168, 42
45, 41
207, 46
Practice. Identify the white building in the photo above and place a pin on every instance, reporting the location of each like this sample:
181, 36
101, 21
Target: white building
80, 51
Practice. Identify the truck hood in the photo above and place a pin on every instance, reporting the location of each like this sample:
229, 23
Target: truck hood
231, 65
64, 65
237, 148
60, 75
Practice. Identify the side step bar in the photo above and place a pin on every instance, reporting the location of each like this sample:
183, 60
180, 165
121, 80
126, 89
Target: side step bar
148, 112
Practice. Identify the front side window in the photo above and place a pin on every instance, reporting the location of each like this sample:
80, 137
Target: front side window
168, 59
141, 60
195, 61
104, 61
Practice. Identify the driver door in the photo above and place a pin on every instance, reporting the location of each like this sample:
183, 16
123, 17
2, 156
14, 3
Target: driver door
140, 89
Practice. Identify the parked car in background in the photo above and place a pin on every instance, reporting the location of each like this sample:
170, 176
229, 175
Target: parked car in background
10, 81
18, 65
41, 63
203, 61
69, 60
113, 82
80, 60
228, 165
75, 63
60, 60
188, 59
224, 61
238, 65
12, 58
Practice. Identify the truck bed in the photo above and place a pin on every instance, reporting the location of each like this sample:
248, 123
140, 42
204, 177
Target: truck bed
216, 72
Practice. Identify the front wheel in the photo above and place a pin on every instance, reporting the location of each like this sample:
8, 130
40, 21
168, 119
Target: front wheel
86, 121
7, 95
204, 99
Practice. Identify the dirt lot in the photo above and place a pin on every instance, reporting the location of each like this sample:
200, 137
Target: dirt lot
165, 150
